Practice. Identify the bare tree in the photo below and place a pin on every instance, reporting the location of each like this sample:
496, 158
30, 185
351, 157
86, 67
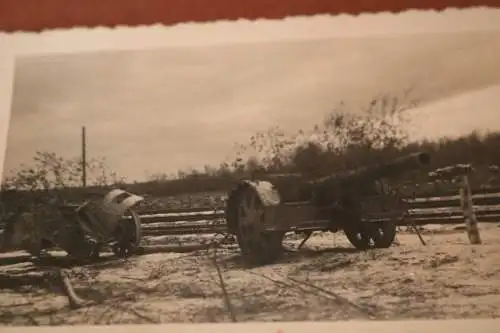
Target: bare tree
344, 139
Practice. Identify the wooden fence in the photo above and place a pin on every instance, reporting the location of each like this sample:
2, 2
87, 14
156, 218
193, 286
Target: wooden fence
442, 208
423, 211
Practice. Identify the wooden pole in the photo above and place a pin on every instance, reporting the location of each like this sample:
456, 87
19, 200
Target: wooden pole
84, 157
468, 209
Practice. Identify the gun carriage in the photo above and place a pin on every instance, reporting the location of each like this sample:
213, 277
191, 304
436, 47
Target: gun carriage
80, 230
359, 202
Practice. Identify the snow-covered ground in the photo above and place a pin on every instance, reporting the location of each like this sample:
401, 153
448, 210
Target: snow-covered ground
325, 280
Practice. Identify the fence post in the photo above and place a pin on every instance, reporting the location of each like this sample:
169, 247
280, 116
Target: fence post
468, 211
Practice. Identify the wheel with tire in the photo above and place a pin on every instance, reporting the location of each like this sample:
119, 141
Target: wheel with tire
358, 236
369, 235
384, 234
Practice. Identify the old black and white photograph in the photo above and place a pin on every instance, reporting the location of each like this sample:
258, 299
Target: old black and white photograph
314, 169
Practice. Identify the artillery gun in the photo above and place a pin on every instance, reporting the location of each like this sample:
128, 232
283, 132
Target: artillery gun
359, 202
80, 230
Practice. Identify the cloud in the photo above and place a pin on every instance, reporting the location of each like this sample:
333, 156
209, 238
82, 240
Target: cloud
173, 108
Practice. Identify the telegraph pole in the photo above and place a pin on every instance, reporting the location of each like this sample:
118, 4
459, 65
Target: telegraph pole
84, 157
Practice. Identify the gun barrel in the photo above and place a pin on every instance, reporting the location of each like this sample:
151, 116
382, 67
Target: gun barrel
404, 164
392, 168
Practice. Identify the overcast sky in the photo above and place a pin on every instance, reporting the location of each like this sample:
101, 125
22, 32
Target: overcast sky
160, 110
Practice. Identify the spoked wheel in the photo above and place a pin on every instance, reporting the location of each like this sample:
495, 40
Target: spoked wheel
258, 247
371, 235
128, 235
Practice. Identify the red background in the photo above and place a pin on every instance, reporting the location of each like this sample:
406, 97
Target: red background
37, 15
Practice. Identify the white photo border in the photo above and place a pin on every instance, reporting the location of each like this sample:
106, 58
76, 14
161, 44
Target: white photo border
320, 26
